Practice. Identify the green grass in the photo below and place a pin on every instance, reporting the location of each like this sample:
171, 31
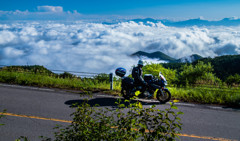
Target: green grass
205, 95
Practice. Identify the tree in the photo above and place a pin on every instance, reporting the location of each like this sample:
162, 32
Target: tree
67, 75
200, 73
231, 80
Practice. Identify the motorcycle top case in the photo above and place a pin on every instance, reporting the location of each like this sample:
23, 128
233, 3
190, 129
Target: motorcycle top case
127, 82
148, 77
120, 72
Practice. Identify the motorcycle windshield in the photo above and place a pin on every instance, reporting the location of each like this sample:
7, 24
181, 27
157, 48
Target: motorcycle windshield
162, 77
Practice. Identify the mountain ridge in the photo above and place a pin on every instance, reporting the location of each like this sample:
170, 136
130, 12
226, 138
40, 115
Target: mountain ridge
161, 56
154, 55
232, 21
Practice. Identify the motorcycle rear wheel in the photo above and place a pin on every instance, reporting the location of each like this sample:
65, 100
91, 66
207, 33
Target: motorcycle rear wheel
164, 95
125, 94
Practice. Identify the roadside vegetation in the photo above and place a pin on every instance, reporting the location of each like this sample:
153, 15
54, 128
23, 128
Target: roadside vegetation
128, 121
195, 82
41, 77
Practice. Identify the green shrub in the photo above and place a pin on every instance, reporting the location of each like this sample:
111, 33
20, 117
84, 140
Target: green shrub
200, 73
102, 77
231, 80
67, 75
132, 122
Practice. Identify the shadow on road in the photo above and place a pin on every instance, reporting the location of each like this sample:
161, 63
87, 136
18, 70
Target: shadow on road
234, 108
105, 102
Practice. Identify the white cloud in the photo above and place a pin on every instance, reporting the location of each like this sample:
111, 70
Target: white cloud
95, 47
10, 52
42, 13
50, 9
6, 37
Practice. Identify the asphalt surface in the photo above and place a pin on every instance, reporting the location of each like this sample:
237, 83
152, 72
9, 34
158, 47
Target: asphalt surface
34, 112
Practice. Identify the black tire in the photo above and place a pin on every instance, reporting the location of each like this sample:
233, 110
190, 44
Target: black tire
164, 95
125, 93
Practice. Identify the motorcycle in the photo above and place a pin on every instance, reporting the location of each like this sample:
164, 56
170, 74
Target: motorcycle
129, 88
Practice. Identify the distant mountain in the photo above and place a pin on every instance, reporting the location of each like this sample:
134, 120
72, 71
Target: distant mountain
190, 59
191, 22
230, 21
201, 22
161, 56
145, 20
155, 55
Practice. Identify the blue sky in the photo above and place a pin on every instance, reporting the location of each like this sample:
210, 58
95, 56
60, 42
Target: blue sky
209, 9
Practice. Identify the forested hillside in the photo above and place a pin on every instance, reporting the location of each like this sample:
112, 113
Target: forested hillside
224, 66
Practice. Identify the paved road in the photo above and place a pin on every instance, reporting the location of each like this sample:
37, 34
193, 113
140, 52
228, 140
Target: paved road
35, 112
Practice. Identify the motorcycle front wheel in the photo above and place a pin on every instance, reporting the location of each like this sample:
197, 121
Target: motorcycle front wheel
163, 95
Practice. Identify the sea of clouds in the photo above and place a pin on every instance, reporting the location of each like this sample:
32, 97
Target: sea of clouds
97, 47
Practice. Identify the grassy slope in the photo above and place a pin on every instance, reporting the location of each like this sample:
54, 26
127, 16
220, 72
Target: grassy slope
40, 80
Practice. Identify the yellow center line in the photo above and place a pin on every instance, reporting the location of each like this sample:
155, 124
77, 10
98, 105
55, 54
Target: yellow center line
67, 121
204, 137
35, 117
